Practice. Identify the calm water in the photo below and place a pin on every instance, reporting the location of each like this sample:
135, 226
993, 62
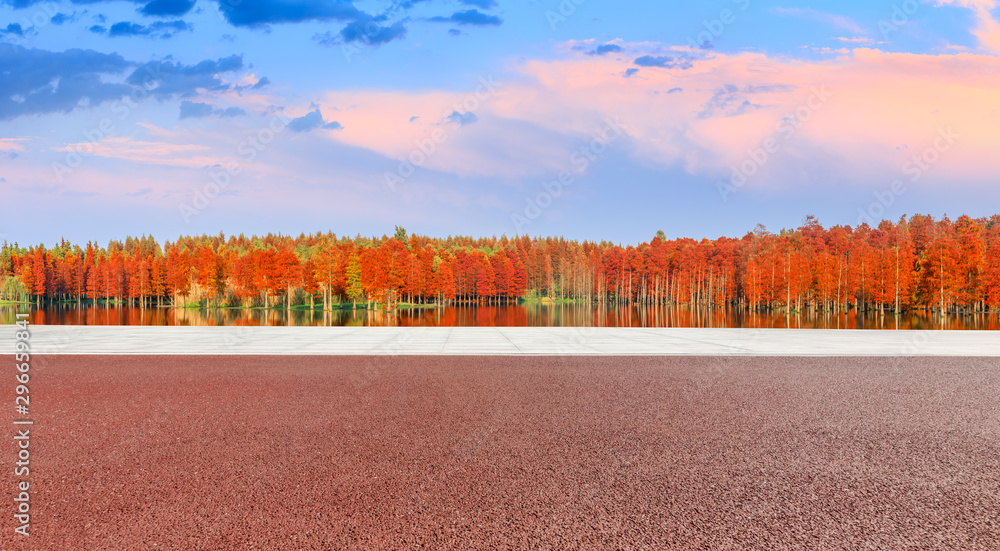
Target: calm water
533, 315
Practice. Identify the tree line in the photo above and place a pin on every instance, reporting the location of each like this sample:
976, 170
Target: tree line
916, 263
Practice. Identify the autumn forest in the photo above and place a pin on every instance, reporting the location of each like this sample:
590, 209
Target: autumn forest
915, 263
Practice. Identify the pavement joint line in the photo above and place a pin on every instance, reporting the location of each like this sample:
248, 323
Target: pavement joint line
693, 340
447, 338
501, 331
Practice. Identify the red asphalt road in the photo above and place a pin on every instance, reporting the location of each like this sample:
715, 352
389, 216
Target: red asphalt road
313, 452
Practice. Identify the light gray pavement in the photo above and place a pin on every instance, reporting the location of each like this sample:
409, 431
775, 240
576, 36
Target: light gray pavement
587, 341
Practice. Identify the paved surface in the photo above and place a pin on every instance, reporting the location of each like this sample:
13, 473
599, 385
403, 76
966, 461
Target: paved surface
267, 452
504, 341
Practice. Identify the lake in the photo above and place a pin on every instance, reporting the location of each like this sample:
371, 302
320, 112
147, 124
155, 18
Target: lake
523, 315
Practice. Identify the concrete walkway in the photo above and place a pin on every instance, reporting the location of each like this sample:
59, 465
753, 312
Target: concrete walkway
586, 341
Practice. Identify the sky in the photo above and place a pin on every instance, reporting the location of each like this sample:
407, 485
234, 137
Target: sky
587, 119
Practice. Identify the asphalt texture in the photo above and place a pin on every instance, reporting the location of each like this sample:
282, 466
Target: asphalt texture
263, 452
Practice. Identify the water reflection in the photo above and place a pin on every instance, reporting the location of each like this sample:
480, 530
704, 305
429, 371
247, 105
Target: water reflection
527, 315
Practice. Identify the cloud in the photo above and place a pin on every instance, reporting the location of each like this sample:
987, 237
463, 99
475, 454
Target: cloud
140, 193
728, 101
311, 121
14, 29
675, 90
630, 71
606, 49
855, 40
127, 28
167, 7
987, 29
461, 119
360, 27
158, 29
475, 17
176, 79
249, 81
38, 81
60, 18
258, 13
971, 4
731, 103
469, 17
156, 153
366, 30
483, 4
454, 32
307, 122
11, 144
665, 62
400, 5
838, 21
196, 110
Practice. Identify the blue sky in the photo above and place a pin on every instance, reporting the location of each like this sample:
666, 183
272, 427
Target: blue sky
461, 117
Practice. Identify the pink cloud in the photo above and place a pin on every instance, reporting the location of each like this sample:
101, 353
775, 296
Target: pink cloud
422, 129
987, 29
879, 108
876, 110
11, 144
161, 153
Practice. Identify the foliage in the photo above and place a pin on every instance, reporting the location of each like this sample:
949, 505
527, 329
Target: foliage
914, 263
